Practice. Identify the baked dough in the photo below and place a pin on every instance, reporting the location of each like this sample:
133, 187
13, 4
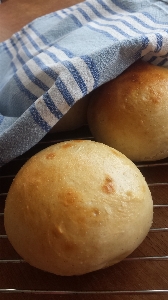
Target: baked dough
74, 118
77, 207
130, 113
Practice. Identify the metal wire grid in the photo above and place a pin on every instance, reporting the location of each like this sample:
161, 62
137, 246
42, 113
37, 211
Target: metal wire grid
8, 175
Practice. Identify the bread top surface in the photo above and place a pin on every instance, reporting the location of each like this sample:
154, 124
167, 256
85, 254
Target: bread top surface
130, 112
76, 207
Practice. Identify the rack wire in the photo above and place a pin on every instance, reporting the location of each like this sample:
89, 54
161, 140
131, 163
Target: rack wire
143, 274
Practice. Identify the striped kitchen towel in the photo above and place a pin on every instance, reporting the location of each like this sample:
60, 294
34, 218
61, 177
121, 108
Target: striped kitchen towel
62, 56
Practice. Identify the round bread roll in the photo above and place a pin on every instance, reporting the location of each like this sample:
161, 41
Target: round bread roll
130, 113
74, 118
77, 207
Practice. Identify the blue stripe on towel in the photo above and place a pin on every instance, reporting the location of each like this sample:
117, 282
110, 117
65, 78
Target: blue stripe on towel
42, 37
106, 7
64, 91
105, 33
47, 70
144, 45
84, 14
93, 8
32, 41
23, 89
34, 79
65, 50
38, 119
164, 61
93, 69
51, 106
159, 42
69, 65
76, 21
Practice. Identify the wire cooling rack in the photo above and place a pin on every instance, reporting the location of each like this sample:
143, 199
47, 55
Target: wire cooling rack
142, 275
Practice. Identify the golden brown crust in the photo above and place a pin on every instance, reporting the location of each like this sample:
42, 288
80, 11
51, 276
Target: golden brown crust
130, 113
76, 207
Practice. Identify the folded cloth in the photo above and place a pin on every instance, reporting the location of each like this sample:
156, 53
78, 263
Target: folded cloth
60, 57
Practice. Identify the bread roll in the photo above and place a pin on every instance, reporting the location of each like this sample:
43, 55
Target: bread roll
130, 113
76, 207
74, 118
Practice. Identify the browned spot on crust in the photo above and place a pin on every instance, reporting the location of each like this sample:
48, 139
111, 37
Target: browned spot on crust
69, 246
108, 186
67, 145
71, 144
95, 212
50, 155
69, 197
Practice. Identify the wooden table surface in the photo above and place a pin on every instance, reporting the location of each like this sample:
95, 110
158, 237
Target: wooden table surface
14, 14
143, 275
